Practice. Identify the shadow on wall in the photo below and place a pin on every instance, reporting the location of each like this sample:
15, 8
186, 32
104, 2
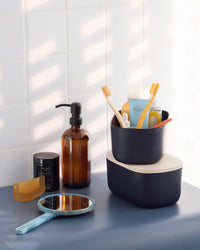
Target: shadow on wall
54, 77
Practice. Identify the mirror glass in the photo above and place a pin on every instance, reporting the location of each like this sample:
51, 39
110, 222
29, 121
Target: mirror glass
66, 202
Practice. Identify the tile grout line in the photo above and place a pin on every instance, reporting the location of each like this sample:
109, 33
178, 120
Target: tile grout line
27, 87
66, 51
79, 51
61, 9
143, 84
106, 69
66, 96
67, 57
44, 143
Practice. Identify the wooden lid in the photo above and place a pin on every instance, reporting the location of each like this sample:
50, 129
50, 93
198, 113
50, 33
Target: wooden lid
166, 164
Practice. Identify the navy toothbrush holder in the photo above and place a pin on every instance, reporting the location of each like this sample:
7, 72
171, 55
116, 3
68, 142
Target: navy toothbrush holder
137, 169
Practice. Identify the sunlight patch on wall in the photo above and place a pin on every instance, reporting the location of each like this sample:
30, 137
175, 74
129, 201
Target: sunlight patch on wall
138, 50
91, 27
94, 76
101, 168
99, 148
146, 70
48, 127
53, 94
1, 123
135, 76
90, 56
39, 109
96, 125
95, 102
1, 100
1, 96
44, 77
34, 4
44, 48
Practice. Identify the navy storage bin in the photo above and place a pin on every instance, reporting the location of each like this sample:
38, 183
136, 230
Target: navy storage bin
147, 186
137, 146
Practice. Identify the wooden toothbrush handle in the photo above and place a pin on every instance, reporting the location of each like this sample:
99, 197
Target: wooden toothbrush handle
144, 112
119, 117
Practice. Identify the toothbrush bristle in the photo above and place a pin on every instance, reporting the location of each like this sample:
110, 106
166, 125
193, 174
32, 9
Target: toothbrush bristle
106, 91
154, 88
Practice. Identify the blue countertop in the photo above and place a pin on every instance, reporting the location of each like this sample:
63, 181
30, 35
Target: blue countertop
114, 224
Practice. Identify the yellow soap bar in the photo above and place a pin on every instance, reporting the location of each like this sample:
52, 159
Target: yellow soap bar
29, 190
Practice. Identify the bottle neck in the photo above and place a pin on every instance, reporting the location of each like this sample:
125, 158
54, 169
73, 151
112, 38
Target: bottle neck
73, 127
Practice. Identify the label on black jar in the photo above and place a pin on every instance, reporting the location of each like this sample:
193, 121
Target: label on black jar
51, 178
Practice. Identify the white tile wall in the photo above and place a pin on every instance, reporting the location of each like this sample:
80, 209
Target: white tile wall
55, 51
86, 28
13, 126
93, 112
124, 67
86, 72
46, 33
98, 153
46, 122
124, 24
158, 66
47, 77
12, 81
158, 20
14, 166
83, 3
12, 37
34, 5
11, 7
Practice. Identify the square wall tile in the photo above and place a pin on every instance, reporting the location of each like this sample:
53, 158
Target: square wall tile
86, 28
118, 1
186, 21
13, 126
47, 123
98, 153
47, 77
125, 67
11, 7
15, 166
124, 24
93, 112
12, 37
46, 33
86, 72
33, 5
12, 82
158, 20
186, 62
159, 63
83, 3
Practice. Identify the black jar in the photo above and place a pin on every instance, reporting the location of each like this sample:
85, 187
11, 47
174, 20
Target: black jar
47, 164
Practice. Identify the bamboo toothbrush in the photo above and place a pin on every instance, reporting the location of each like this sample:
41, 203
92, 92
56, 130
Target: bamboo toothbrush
153, 91
107, 93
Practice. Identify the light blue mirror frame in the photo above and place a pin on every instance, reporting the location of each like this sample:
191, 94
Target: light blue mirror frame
52, 213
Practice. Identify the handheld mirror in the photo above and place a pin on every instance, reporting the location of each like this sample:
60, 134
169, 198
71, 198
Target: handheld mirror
58, 204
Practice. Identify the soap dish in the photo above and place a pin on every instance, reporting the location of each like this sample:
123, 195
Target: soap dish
148, 186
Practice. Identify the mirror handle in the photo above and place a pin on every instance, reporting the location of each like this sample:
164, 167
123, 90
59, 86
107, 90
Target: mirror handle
34, 223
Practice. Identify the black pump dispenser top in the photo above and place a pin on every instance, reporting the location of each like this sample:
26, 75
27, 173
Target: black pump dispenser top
75, 120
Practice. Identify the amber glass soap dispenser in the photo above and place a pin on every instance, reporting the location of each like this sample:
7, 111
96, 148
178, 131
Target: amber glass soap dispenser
76, 161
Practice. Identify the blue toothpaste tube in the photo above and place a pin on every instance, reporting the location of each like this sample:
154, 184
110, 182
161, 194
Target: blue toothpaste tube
136, 107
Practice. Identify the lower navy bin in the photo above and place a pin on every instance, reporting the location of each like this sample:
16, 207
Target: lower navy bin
148, 186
